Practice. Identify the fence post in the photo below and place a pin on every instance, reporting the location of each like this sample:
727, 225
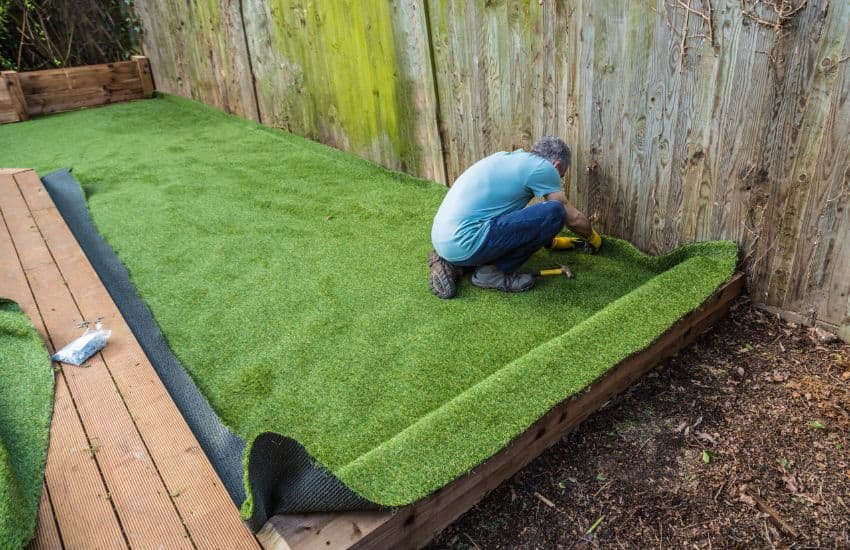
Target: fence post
144, 68
13, 84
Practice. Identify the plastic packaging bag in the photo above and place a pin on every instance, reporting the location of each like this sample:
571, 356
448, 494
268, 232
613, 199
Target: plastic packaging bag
92, 341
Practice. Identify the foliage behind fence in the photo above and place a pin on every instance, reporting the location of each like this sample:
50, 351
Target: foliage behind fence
44, 34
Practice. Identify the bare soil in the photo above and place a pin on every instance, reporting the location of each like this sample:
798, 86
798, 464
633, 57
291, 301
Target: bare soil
741, 441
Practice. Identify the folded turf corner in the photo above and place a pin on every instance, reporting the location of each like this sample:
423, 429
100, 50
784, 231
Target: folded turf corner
26, 406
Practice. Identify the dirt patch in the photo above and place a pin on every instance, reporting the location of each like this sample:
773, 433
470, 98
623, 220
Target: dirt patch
743, 440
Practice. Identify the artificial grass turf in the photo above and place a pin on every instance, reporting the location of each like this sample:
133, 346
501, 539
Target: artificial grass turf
26, 405
291, 282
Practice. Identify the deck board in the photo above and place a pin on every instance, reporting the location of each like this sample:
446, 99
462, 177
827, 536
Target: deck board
147, 481
47, 532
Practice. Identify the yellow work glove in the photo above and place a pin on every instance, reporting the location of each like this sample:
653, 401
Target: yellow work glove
593, 243
565, 243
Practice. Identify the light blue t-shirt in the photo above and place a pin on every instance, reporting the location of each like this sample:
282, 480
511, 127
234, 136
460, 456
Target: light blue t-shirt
495, 185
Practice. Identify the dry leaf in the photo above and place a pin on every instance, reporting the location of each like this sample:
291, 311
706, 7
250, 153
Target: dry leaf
779, 376
822, 336
705, 437
747, 499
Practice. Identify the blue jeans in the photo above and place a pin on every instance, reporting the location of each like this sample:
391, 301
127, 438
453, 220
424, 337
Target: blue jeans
515, 236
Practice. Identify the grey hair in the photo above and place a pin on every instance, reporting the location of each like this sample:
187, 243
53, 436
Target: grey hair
552, 148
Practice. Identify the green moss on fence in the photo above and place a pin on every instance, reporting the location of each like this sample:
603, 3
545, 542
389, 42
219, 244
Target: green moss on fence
345, 53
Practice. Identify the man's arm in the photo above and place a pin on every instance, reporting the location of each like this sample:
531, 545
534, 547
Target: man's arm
576, 221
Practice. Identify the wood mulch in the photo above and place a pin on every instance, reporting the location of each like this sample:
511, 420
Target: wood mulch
741, 441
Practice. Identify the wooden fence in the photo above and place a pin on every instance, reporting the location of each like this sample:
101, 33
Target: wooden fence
689, 119
55, 90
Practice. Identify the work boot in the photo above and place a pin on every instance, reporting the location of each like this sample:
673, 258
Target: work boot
490, 276
444, 276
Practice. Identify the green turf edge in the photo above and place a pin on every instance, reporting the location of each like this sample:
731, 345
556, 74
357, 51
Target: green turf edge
412, 464
26, 408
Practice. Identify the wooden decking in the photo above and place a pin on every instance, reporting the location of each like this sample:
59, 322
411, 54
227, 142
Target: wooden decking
123, 468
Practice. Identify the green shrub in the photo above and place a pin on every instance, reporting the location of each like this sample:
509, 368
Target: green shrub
42, 34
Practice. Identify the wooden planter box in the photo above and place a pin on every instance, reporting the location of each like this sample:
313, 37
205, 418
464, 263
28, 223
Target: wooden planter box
27, 94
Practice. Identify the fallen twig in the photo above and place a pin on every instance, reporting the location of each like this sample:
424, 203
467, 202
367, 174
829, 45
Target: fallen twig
774, 516
475, 544
596, 524
545, 500
722, 486
603, 488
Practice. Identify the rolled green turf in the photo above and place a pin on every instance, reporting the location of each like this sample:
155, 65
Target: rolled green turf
26, 405
291, 282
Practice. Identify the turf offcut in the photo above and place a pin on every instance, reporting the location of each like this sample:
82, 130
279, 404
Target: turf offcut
291, 282
26, 405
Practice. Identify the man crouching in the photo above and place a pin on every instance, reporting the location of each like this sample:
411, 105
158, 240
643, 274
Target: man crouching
484, 222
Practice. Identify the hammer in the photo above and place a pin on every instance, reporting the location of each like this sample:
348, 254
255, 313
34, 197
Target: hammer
561, 269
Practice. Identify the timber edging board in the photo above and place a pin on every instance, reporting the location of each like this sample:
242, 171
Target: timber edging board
414, 525
56, 90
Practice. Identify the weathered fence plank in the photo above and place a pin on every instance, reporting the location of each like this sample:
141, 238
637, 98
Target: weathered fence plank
688, 120
821, 264
355, 75
198, 49
498, 75
821, 150
795, 140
